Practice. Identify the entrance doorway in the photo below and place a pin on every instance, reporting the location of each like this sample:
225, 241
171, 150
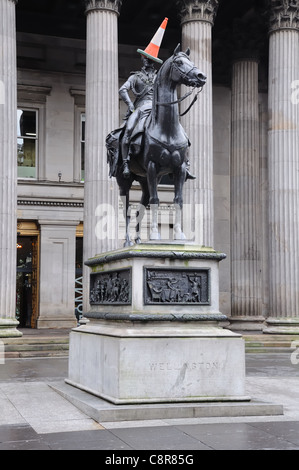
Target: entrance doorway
27, 278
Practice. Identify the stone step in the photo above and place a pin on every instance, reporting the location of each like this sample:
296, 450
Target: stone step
28, 354
37, 345
37, 342
41, 344
270, 343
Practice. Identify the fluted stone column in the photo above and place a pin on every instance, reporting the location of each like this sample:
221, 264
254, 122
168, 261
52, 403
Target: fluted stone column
197, 18
100, 192
8, 168
283, 164
245, 189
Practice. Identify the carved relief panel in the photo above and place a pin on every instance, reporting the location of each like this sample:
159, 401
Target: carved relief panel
111, 287
176, 286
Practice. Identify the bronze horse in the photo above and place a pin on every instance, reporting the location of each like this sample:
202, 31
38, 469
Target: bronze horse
158, 147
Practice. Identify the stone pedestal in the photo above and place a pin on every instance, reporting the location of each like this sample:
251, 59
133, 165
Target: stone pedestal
150, 362
153, 334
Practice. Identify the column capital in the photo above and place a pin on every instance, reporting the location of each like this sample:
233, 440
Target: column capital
283, 14
110, 5
198, 10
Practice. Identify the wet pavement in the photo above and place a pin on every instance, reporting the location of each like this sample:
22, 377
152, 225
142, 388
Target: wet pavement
33, 416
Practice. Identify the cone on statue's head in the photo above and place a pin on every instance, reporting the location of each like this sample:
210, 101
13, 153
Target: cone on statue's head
152, 50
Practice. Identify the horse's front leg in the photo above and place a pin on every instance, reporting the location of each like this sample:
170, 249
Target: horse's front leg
141, 210
179, 180
154, 200
127, 217
178, 233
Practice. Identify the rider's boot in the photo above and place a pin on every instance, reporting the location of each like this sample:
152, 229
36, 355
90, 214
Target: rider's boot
189, 176
126, 169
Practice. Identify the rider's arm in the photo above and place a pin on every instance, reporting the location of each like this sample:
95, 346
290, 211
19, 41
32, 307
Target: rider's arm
124, 93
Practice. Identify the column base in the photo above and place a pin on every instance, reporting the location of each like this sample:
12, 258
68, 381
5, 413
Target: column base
8, 328
57, 323
288, 326
243, 323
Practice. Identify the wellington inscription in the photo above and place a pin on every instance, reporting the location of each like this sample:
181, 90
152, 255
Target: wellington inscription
166, 366
177, 286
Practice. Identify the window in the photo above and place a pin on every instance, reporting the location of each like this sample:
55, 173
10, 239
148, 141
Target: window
27, 129
79, 134
82, 143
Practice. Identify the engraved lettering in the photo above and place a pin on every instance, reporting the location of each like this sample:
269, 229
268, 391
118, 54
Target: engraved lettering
163, 366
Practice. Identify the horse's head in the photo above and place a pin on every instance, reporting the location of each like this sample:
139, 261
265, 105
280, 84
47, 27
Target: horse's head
184, 71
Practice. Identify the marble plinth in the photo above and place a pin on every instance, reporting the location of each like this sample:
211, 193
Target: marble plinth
154, 333
131, 362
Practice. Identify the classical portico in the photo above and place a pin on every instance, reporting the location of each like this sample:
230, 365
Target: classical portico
243, 131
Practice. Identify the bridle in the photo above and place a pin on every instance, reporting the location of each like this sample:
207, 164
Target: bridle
174, 65
184, 75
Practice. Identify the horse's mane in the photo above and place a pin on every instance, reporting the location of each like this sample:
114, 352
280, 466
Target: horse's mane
171, 59
165, 65
159, 78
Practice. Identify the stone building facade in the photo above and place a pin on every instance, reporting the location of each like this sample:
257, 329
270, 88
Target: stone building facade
61, 66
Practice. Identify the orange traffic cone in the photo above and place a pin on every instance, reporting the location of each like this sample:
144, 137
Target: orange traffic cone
153, 48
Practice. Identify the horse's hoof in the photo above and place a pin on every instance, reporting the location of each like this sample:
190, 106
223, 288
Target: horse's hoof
179, 236
128, 243
155, 236
138, 240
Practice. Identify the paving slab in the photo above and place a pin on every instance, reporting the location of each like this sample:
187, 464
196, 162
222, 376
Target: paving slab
34, 416
36, 404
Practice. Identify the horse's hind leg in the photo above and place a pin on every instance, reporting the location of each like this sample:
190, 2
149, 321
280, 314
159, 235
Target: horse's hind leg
179, 179
126, 211
141, 210
178, 233
154, 200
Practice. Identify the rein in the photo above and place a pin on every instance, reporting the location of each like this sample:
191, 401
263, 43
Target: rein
192, 103
159, 103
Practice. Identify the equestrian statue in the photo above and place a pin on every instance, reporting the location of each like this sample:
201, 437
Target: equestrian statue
152, 143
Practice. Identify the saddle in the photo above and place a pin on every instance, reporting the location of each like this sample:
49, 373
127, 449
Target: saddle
113, 143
